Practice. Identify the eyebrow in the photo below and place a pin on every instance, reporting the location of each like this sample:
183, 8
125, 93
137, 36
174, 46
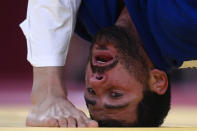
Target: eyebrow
108, 106
116, 106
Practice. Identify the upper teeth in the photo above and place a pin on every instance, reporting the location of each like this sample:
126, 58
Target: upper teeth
101, 62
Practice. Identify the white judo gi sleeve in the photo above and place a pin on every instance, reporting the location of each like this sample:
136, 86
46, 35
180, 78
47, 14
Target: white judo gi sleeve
48, 28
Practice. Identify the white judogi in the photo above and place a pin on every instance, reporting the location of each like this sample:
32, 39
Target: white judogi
48, 28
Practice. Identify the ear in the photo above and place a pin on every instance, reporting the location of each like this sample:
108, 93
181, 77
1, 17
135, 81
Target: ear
158, 81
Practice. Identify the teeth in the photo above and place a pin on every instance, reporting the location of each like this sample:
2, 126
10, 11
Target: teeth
101, 62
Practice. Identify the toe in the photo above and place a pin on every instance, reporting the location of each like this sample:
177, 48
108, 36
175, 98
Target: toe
80, 122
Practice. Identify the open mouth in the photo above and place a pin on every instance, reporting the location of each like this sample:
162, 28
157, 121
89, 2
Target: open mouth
102, 58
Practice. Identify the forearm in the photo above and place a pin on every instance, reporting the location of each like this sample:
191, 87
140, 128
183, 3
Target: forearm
48, 82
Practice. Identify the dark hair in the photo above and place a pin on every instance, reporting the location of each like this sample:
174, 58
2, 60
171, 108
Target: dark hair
153, 108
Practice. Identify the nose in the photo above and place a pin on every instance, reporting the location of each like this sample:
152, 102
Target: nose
97, 80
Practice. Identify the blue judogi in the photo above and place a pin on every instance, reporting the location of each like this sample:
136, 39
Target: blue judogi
168, 28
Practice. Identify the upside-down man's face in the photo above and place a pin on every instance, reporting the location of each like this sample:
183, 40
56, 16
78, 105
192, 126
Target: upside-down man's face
112, 94
112, 90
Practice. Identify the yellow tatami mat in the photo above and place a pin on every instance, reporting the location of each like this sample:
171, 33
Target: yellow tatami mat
192, 63
182, 116
98, 129
13, 117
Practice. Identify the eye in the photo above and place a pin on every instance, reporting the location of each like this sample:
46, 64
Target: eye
91, 91
116, 94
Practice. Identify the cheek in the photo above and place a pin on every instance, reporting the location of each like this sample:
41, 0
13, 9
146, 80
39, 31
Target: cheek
117, 73
129, 115
120, 76
95, 113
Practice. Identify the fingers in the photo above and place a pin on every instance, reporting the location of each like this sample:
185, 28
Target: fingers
71, 122
46, 123
91, 123
81, 122
52, 123
63, 122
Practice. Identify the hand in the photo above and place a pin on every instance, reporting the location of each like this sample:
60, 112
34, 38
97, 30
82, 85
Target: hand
58, 112
50, 107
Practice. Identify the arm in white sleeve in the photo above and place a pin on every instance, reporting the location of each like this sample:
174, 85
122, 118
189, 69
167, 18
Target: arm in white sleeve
48, 29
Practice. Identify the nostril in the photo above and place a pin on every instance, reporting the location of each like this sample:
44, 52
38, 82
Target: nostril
91, 91
99, 77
